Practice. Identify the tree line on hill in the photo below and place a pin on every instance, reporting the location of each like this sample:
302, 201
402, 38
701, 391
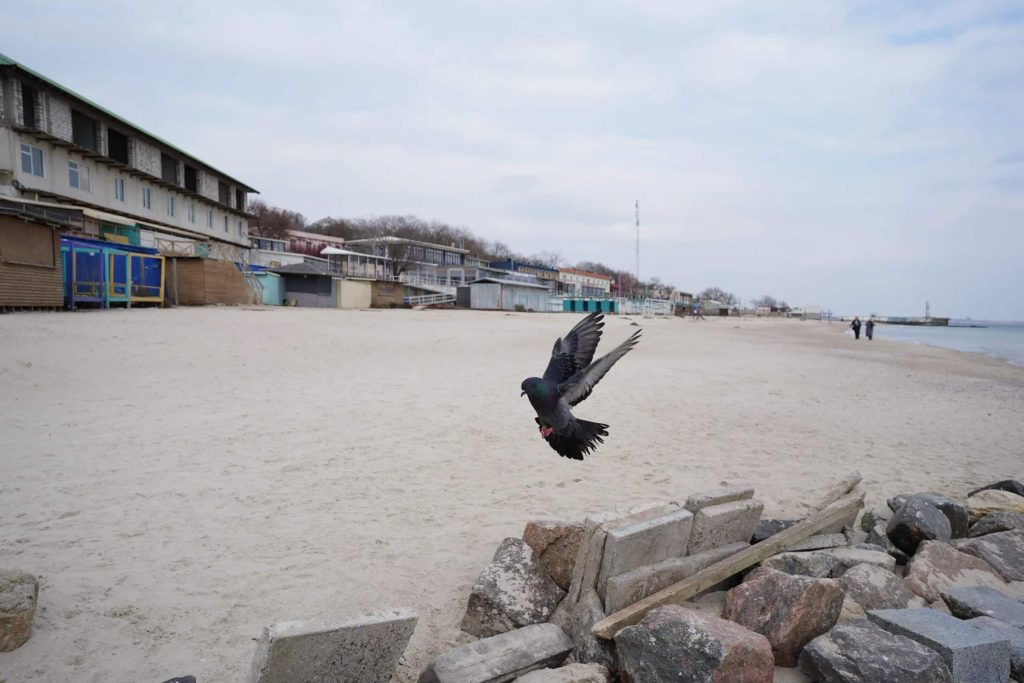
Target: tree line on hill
275, 222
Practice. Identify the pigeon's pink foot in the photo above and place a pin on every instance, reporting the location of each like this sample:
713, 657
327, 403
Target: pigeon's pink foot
546, 431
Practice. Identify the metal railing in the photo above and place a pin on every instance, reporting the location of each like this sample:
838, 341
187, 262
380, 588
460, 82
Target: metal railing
429, 299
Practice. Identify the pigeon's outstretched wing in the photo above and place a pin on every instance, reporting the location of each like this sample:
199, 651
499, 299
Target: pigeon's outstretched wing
574, 352
579, 386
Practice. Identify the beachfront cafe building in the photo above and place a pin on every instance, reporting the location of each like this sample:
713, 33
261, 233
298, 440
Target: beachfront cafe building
548, 277
61, 152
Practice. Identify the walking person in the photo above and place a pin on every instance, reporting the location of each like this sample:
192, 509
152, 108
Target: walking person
869, 329
855, 326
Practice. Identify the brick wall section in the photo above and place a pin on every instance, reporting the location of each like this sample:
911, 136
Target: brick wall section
208, 185
101, 138
205, 281
31, 286
59, 118
19, 113
144, 157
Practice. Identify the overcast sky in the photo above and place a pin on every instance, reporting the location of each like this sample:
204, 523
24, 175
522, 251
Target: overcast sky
865, 157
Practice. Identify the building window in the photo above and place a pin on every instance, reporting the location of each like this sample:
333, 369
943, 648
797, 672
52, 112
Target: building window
28, 106
240, 200
169, 169
191, 178
117, 146
119, 189
191, 213
170, 204
223, 193
78, 175
83, 130
31, 160
209, 218
147, 198
239, 228
225, 223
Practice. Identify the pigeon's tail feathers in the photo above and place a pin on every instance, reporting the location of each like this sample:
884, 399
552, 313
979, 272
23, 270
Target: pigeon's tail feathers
584, 438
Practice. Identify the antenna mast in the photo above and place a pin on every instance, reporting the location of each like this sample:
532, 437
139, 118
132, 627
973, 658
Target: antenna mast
638, 243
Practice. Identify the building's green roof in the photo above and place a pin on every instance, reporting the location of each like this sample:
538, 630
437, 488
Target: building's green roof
7, 61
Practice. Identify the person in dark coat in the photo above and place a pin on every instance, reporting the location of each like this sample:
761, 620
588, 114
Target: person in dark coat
855, 326
869, 329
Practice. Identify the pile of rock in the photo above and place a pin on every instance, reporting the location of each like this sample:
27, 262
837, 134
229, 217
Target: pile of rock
927, 590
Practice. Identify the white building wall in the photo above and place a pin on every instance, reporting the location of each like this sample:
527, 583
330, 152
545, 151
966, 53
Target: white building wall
144, 156
57, 121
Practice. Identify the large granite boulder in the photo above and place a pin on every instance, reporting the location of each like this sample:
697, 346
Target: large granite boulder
673, 643
877, 536
996, 522
556, 544
938, 567
19, 593
787, 609
873, 587
816, 564
872, 518
992, 500
916, 521
1010, 485
514, 590
955, 511
1004, 551
976, 601
860, 652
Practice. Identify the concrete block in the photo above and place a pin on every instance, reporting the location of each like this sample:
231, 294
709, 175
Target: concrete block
629, 588
819, 542
729, 494
1014, 635
979, 601
644, 543
570, 673
364, 649
501, 658
973, 654
851, 557
724, 524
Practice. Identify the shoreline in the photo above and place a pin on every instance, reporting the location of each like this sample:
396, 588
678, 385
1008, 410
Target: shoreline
181, 478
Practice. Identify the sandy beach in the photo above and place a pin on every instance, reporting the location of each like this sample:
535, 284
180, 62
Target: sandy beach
180, 478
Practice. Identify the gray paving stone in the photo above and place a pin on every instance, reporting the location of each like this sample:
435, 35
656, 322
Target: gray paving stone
626, 589
820, 542
363, 649
729, 494
501, 658
981, 601
1014, 635
972, 654
724, 524
643, 543
851, 557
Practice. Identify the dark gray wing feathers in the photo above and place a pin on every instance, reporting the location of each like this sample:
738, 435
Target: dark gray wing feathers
583, 381
575, 351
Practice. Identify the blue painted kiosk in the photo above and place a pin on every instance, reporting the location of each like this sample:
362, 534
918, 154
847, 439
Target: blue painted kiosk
106, 273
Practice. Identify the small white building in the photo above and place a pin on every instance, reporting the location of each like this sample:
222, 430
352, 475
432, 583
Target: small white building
506, 295
584, 284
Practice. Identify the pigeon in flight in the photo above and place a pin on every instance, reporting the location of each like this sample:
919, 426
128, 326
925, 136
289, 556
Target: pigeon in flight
568, 380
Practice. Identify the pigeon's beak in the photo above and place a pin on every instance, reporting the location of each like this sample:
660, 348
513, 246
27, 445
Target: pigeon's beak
522, 393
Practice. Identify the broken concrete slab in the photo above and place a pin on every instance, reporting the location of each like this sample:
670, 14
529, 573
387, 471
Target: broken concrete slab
364, 648
938, 567
996, 522
19, 594
972, 654
644, 543
570, 673
514, 590
860, 652
672, 643
1003, 550
596, 527
556, 544
729, 494
724, 524
820, 542
501, 658
978, 601
629, 588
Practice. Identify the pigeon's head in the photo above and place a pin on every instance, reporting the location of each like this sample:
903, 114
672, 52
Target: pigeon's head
534, 387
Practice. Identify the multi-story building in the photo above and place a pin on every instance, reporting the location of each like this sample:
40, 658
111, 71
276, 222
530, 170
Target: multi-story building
583, 283
59, 148
548, 276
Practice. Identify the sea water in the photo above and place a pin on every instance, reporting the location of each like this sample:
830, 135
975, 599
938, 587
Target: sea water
1003, 340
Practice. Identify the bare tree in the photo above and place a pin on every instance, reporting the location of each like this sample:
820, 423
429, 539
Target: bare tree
271, 221
720, 295
766, 301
